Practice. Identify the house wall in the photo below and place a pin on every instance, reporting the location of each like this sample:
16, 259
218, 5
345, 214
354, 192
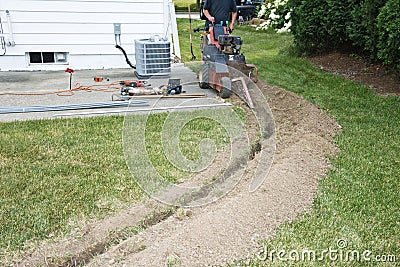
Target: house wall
82, 28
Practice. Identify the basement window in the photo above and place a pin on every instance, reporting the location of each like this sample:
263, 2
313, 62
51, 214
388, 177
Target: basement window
47, 57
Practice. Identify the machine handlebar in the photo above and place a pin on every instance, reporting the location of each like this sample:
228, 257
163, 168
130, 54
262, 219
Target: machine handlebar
203, 29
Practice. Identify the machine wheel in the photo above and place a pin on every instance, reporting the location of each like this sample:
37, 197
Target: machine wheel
226, 86
202, 85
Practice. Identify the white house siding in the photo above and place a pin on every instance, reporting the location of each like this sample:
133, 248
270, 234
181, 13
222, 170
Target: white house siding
83, 28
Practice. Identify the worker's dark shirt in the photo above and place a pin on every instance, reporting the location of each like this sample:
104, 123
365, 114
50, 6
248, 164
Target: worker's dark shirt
220, 9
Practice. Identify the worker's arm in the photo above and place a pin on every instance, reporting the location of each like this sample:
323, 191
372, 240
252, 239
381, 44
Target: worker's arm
234, 16
208, 16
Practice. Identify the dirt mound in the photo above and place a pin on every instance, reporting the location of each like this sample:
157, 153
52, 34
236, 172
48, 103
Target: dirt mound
223, 231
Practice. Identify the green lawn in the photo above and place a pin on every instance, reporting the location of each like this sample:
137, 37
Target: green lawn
57, 174
184, 38
358, 201
182, 5
54, 173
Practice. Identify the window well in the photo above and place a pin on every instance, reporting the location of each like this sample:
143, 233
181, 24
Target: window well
47, 57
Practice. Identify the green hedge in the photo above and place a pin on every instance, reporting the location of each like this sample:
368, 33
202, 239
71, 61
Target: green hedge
388, 26
308, 25
320, 25
362, 29
362, 25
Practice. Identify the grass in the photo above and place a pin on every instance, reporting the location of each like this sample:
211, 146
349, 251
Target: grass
57, 174
184, 38
54, 173
358, 201
182, 6
190, 136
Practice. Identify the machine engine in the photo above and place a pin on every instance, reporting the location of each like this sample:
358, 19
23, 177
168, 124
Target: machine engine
229, 44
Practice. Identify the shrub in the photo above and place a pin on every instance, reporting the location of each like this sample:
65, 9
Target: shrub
309, 24
362, 29
372, 25
389, 33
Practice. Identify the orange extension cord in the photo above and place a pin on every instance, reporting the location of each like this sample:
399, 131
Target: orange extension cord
112, 87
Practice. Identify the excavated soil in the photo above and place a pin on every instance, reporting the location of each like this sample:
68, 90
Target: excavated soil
150, 234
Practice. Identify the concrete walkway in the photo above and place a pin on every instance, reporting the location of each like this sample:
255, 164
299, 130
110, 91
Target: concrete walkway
40, 82
185, 15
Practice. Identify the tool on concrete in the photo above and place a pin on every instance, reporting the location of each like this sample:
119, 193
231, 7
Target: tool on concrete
136, 87
99, 79
134, 83
116, 97
139, 88
173, 87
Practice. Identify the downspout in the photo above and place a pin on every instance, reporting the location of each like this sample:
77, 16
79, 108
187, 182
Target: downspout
10, 31
10, 35
166, 19
2, 39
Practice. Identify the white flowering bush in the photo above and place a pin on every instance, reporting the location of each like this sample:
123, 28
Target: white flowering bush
276, 15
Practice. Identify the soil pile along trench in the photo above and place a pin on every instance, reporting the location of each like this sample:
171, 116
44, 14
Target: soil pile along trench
232, 227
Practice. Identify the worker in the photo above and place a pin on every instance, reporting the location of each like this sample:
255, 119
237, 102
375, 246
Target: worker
217, 12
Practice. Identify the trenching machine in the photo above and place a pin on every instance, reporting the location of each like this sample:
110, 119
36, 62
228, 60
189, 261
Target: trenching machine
220, 50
